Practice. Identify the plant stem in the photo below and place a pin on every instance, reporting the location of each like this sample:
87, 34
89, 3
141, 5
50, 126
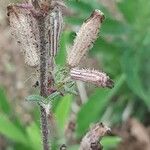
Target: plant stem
43, 80
44, 127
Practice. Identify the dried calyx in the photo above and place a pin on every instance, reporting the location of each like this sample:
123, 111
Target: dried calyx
92, 138
25, 30
85, 37
48, 4
83, 41
98, 78
56, 25
24, 26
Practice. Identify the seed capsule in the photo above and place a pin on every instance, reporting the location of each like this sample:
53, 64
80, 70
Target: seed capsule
92, 138
25, 30
85, 37
55, 28
92, 76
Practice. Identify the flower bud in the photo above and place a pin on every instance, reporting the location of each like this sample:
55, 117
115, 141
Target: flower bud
85, 38
100, 79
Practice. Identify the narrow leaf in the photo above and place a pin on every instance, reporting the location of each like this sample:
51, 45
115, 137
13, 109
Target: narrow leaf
11, 131
110, 142
35, 98
62, 110
33, 132
4, 105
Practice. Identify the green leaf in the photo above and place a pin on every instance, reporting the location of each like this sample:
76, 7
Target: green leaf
11, 131
7, 109
4, 105
35, 98
80, 7
75, 20
93, 110
107, 52
62, 53
52, 96
34, 136
114, 27
110, 142
135, 12
129, 9
131, 66
62, 111
103, 46
83, 9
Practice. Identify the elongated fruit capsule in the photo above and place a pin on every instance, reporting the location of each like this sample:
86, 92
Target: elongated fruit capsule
85, 38
100, 79
91, 140
55, 28
25, 30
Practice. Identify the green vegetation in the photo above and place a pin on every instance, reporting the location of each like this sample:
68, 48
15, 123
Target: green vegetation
123, 50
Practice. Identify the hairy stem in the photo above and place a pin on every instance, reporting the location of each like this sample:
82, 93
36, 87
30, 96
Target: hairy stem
43, 80
44, 127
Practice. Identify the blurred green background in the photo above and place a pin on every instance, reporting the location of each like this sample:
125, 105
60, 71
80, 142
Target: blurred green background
122, 50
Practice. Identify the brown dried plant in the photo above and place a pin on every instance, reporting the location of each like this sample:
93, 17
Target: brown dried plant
37, 26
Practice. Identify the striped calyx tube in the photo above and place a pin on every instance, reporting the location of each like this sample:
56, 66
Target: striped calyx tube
55, 29
87, 34
95, 77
